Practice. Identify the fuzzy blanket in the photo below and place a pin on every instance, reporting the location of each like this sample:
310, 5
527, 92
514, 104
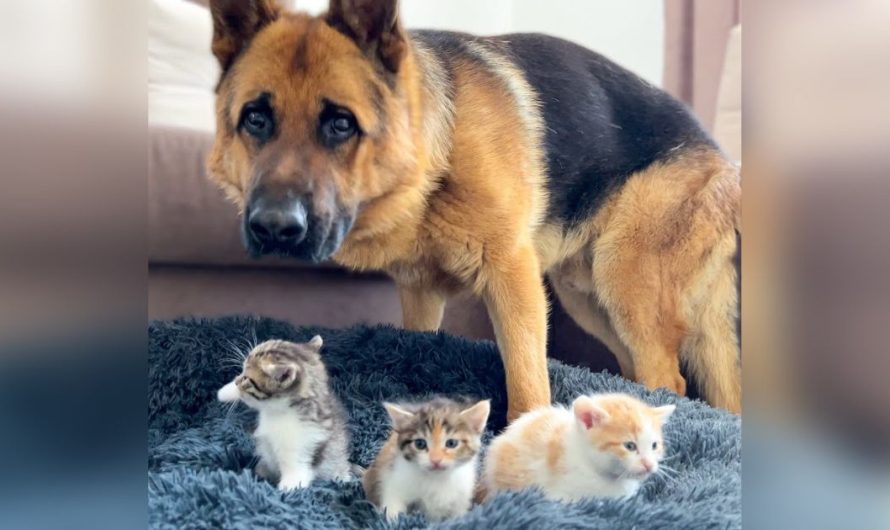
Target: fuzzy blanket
200, 451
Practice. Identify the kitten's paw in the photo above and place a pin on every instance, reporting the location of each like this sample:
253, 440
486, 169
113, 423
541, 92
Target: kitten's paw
265, 471
393, 512
292, 482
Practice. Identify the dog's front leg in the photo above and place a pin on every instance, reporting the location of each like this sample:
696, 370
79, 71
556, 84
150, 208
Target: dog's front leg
517, 304
422, 308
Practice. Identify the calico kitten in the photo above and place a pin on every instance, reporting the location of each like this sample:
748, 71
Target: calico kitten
428, 463
605, 447
301, 427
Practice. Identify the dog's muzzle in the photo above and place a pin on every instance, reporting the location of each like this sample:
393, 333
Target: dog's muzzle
287, 226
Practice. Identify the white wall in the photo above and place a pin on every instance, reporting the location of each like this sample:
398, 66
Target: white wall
631, 32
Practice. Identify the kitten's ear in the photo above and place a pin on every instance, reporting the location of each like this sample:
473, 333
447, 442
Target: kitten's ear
664, 412
477, 415
235, 22
398, 415
588, 412
374, 26
315, 343
281, 373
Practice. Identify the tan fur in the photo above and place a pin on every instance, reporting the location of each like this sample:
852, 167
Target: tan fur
506, 463
656, 280
450, 196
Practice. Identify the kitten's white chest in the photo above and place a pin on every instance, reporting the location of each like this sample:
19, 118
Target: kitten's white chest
288, 443
440, 494
584, 483
583, 480
286, 429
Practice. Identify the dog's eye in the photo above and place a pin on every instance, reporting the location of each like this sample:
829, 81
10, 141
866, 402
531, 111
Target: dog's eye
342, 125
258, 124
257, 119
336, 125
255, 122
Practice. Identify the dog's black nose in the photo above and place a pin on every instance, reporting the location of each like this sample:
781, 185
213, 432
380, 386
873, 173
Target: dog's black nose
279, 225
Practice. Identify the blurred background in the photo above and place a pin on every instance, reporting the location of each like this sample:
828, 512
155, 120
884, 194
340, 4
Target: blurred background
197, 264
87, 188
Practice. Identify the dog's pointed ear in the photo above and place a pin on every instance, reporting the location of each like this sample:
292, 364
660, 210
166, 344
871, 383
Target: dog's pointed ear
235, 22
373, 25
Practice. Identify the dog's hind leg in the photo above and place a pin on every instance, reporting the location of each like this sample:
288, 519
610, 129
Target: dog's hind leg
641, 307
586, 312
662, 268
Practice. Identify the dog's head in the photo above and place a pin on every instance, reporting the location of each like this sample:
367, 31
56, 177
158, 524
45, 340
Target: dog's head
314, 123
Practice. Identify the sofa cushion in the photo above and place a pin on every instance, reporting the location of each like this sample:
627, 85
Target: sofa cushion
182, 73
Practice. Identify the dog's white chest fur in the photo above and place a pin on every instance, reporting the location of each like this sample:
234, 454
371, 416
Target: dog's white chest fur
439, 494
287, 444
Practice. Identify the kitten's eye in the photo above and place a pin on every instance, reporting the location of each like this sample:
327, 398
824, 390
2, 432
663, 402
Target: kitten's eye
420, 444
451, 443
654, 445
630, 446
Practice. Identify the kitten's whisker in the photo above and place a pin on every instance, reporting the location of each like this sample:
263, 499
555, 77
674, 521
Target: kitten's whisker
668, 472
253, 334
245, 345
232, 358
229, 410
238, 351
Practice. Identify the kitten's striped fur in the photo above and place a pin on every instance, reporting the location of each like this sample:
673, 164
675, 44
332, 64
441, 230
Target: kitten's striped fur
301, 426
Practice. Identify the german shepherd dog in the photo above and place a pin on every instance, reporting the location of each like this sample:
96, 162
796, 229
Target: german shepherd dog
460, 163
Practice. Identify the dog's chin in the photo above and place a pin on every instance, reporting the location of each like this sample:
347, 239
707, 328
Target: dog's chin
319, 246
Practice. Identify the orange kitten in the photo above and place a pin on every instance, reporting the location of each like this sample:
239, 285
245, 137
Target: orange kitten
604, 447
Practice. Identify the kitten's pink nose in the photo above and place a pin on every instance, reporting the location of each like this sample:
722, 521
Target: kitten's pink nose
649, 465
437, 464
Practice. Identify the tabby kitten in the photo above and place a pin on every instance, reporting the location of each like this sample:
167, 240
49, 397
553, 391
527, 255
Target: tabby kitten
301, 427
428, 463
604, 447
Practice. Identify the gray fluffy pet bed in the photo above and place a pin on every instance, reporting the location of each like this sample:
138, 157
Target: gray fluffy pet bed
200, 453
